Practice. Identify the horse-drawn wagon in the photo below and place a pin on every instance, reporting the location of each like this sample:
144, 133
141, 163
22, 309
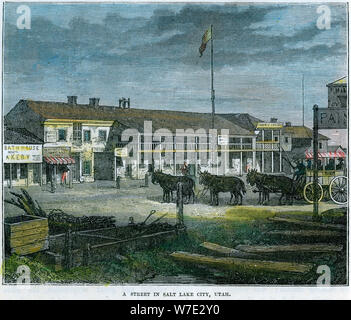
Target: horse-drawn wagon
332, 180
332, 184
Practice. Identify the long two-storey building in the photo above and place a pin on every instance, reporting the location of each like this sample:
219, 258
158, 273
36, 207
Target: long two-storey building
87, 139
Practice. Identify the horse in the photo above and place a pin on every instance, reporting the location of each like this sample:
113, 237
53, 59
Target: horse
267, 183
217, 184
255, 179
169, 184
160, 178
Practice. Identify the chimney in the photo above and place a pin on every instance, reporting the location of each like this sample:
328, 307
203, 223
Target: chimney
121, 102
94, 102
274, 120
124, 103
288, 124
72, 100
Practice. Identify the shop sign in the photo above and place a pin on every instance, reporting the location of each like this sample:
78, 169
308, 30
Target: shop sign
59, 152
332, 118
223, 140
267, 125
23, 153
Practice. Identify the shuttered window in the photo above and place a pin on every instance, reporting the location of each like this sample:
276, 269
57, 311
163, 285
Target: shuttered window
86, 167
61, 134
77, 131
87, 136
102, 135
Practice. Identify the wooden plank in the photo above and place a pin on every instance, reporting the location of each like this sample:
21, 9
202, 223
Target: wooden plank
146, 237
26, 218
238, 264
18, 242
228, 251
316, 247
309, 223
28, 232
95, 230
307, 233
31, 248
28, 225
96, 236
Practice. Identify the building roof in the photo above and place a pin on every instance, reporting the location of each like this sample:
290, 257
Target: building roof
244, 120
134, 117
301, 132
334, 148
341, 81
20, 136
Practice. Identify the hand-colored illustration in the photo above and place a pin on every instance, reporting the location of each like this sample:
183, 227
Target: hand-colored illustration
175, 143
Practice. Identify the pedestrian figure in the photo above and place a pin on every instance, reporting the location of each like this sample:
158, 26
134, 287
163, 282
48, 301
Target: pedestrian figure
309, 164
330, 165
185, 169
65, 170
300, 171
340, 165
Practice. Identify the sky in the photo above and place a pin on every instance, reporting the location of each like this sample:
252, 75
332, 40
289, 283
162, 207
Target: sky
149, 52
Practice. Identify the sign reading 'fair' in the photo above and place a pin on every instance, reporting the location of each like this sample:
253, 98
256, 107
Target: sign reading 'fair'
332, 118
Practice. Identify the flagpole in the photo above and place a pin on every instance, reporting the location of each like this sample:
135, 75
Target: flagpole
303, 100
212, 90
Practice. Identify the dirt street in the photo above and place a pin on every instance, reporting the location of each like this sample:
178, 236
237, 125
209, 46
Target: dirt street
133, 199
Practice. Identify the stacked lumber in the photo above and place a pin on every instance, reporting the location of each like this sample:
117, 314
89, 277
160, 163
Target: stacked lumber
227, 251
309, 223
238, 264
305, 248
306, 233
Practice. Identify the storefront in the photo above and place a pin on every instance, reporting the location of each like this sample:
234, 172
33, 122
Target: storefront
22, 158
22, 164
58, 167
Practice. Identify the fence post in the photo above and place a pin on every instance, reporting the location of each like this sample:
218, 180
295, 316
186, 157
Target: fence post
70, 176
86, 255
146, 179
180, 216
68, 259
53, 179
118, 182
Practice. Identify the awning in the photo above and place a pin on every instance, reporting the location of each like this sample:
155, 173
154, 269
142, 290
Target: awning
58, 160
330, 154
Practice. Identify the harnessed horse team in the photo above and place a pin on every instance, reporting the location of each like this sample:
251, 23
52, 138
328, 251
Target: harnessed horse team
264, 184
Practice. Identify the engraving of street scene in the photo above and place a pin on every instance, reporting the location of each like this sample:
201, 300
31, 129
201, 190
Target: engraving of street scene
175, 143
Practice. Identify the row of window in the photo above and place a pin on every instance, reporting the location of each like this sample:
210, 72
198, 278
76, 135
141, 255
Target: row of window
23, 171
77, 135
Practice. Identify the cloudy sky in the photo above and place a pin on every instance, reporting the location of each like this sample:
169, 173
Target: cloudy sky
149, 52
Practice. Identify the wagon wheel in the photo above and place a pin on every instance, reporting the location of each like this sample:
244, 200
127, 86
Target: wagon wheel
308, 192
338, 190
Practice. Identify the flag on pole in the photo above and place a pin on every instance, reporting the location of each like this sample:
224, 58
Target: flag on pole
205, 38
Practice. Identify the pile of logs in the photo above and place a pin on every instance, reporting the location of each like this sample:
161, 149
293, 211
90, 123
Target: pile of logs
58, 220
61, 221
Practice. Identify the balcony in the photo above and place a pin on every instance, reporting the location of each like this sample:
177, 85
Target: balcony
267, 146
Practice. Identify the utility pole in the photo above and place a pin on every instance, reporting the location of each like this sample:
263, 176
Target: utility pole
212, 90
315, 162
